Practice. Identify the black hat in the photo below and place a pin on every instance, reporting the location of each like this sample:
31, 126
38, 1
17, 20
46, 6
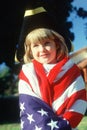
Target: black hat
36, 18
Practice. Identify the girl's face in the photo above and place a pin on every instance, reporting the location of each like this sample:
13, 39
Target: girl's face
44, 51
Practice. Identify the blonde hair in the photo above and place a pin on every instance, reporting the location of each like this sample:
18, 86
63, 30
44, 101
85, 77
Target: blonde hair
41, 34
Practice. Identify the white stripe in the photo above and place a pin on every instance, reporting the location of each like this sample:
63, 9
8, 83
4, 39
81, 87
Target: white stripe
24, 88
79, 106
77, 85
29, 71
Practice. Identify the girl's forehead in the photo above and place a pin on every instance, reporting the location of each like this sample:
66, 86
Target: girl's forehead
42, 40
40, 34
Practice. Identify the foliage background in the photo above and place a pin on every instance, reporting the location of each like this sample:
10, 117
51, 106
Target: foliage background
11, 18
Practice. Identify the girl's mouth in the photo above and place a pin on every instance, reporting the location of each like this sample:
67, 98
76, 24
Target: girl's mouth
43, 55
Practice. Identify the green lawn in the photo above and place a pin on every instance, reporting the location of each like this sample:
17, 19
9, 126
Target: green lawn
10, 127
82, 125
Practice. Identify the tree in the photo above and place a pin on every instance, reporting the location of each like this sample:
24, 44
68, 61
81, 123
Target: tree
82, 13
10, 27
12, 17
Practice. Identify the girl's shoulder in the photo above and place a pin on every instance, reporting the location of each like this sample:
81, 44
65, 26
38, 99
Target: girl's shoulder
28, 66
28, 69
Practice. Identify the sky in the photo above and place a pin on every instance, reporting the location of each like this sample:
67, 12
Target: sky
78, 28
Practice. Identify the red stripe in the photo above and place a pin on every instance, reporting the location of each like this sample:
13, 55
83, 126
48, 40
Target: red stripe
51, 91
56, 70
43, 83
24, 78
73, 118
71, 100
78, 95
62, 84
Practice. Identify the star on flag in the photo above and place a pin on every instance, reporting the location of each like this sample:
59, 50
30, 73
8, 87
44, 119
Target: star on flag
22, 108
22, 123
30, 118
37, 115
53, 124
38, 128
42, 112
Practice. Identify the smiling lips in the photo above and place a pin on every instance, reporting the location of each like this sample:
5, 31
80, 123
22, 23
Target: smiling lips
43, 55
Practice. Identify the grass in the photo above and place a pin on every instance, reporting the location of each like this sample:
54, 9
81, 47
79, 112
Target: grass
82, 125
10, 127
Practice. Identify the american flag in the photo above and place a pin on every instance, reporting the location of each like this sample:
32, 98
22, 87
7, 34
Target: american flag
49, 100
37, 115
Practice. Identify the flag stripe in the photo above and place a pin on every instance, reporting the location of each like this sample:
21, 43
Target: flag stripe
68, 93
73, 118
65, 81
61, 92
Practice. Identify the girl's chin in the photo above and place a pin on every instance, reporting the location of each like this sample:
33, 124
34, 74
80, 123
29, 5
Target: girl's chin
45, 61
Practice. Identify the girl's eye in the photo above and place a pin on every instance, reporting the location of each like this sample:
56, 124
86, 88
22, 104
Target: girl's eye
47, 43
35, 45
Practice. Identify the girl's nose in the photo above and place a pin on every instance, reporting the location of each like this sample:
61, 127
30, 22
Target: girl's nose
42, 48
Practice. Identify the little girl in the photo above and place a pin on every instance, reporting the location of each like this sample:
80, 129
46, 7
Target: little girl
52, 92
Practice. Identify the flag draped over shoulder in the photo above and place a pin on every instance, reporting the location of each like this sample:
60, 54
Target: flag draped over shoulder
52, 101
37, 115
